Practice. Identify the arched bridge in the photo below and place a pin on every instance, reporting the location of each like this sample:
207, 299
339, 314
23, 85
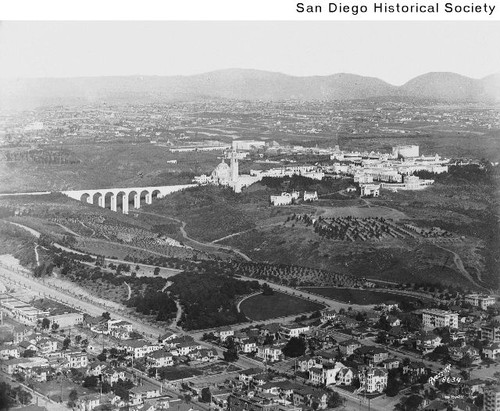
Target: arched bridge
123, 197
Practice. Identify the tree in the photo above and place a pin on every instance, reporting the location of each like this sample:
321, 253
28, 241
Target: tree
90, 381
24, 397
55, 326
29, 353
231, 355
106, 315
335, 400
45, 324
206, 395
66, 343
156, 271
412, 402
102, 356
73, 396
267, 290
465, 361
393, 387
105, 387
295, 347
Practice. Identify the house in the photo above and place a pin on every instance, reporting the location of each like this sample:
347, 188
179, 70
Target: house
491, 350
160, 358
345, 376
427, 341
27, 345
325, 374
77, 359
390, 363
373, 379
142, 392
8, 351
173, 342
88, 402
269, 353
310, 196
203, 355
248, 345
328, 315
393, 321
47, 346
472, 387
185, 348
349, 346
117, 324
139, 348
23, 364
97, 368
308, 396
372, 355
457, 353
306, 362
415, 370
397, 335
113, 375
293, 330
167, 336
246, 376
224, 333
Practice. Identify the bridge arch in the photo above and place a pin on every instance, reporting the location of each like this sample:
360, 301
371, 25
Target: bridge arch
134, 198
155, 193
122, 200
98, 199
87, 198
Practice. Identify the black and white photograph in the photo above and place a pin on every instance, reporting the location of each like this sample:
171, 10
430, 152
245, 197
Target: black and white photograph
250, 215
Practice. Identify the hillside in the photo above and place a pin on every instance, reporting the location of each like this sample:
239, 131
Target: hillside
238, 84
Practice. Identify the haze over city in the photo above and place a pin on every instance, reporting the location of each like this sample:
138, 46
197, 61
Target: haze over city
392, 51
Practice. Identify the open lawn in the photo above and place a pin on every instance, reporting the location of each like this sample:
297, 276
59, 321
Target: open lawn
263, 307
361, 297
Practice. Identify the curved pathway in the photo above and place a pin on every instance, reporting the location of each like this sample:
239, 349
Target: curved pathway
196, 242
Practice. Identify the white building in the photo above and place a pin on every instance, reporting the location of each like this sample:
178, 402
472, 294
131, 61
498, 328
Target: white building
282, 199
77, 359
405, 151
293, 330
373, 379
370, 190
436, 318
479, 300
310, 196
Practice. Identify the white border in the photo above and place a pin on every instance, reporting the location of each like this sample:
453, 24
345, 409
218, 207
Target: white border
226, 10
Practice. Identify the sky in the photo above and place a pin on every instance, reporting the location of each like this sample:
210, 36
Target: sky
392, 51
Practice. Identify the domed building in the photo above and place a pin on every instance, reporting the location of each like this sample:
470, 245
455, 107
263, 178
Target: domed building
222, 174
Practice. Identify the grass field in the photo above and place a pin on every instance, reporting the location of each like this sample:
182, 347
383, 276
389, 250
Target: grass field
264, 307
361, 297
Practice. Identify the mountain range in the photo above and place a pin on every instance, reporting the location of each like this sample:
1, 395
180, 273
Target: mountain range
242, 84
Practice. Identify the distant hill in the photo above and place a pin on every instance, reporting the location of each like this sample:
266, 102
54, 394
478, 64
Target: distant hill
240, 84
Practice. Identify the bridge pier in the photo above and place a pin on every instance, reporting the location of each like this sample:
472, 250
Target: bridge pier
137, 200
113, 202
102, 201
125, 203
149, 198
